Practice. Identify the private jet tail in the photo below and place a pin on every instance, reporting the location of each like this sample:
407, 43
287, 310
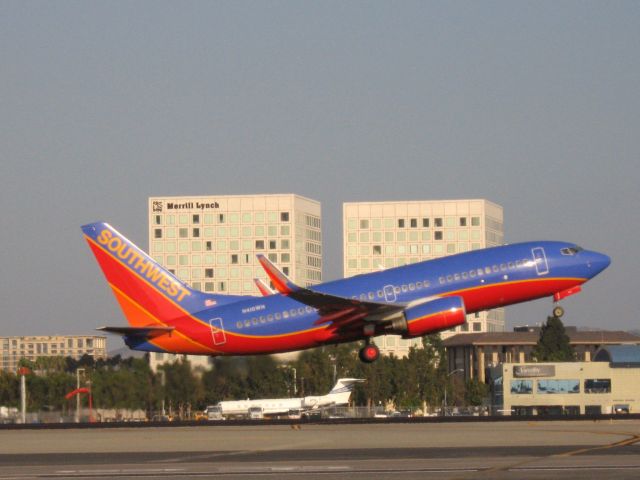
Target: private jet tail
340, 393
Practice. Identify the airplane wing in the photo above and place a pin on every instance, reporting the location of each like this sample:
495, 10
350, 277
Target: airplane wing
341, 311
138, 332
264, 289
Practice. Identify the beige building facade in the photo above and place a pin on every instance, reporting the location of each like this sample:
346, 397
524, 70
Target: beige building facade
211, 242
12, 349
380, 235
575, 388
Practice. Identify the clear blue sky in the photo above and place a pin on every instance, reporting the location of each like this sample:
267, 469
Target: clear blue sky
533, 105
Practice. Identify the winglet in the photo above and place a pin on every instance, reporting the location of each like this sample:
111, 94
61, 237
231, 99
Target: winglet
265, 290
279, 279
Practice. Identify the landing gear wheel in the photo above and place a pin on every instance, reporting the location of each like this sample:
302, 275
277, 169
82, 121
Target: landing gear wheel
558, 311
369, 353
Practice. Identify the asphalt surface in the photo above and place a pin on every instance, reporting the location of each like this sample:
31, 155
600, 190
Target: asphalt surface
505, 450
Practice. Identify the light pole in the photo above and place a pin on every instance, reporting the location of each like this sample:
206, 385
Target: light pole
445, 388
78, 370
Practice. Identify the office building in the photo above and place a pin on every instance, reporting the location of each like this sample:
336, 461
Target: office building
607, 385
473, 354
211, 242
12, 349
379, 235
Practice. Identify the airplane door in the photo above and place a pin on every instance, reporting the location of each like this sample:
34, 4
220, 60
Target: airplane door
540, 259
217, 331
389, 293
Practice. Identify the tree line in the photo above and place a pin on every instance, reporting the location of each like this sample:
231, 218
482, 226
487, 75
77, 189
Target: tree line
413, 382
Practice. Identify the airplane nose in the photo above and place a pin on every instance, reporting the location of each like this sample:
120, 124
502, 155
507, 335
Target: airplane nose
598, 262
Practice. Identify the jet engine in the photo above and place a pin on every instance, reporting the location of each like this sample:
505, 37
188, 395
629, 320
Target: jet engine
432, 316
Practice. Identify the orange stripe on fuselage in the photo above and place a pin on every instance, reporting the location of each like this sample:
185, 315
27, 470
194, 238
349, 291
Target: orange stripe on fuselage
175, 342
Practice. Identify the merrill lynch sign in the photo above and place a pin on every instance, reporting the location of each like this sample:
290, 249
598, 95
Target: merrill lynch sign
521, 371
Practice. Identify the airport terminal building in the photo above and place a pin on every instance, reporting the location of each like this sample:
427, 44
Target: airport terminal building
211, 242
607, 385
378, 235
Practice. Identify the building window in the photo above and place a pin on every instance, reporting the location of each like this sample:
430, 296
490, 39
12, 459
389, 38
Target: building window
438, 222
519, 387
364, 223
259, 244
157, 233
437, 235
208, 246
183, 232
196, 219
234, 258
414, 223
463, 221
552, 386
285, 258
401, 223
157, 219
196, 233
477, 326
377, 249
475, 221
208, 272
284, 216
600, 385
272, 245
425, 223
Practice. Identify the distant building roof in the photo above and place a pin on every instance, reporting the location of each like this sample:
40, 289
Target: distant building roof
531, 338
619, 355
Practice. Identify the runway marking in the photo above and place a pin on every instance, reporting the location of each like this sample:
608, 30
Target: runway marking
621, 443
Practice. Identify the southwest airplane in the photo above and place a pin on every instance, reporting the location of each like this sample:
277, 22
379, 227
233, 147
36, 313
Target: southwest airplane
339, 395
166, 315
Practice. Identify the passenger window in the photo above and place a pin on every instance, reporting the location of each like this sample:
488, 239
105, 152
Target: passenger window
262, 319
247, 323
293, 312
371, 296
239, 324
465, 275
380, 294
418, 285
269, 318
456, 276
301, 310
426, 283
449, 278
503, 266
472, 274
495, 268
404, 288
278, 316
441, 279
487, 270
396, 289
254, 320
412, 287
511, 265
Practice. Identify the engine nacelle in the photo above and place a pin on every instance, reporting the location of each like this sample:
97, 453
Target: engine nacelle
432, 316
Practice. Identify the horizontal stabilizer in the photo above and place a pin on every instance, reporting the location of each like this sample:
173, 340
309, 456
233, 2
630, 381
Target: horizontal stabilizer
141, 332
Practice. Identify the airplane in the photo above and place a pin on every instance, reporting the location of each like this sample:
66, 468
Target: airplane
339, 395
167, 315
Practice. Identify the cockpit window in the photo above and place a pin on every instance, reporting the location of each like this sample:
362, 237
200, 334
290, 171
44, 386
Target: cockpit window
571, 250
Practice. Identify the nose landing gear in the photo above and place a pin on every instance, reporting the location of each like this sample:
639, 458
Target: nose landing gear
558, 311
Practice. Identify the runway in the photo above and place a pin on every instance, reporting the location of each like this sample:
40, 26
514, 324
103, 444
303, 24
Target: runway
506, 450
